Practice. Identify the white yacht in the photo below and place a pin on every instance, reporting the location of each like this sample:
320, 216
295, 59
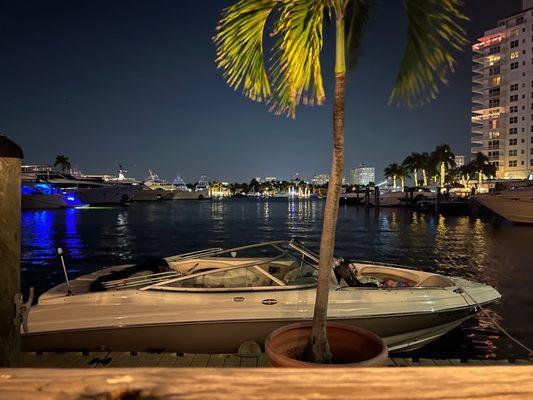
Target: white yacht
37, 195
214, 300
88, 191
165, 189
200, 192
515, 205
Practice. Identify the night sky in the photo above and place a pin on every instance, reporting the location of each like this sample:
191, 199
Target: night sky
134, 82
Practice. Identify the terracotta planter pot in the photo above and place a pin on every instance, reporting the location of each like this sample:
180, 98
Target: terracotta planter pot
351, 346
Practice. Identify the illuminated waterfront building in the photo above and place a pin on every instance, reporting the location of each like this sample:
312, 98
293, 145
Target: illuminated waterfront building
459, 161
502, 114
320, 180
362, 175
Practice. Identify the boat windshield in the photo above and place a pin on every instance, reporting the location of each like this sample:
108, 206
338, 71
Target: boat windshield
263, 266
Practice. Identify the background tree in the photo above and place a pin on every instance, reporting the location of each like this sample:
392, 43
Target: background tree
465, 173
425, 166
481, 165
402, 173
414, 163
63, 162
391, 172
443, 157
295, 76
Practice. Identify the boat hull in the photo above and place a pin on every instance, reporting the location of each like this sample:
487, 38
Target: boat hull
515, 209
192, 195
400, 332
42, 201
111, 194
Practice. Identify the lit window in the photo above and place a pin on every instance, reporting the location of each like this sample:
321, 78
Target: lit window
514, 54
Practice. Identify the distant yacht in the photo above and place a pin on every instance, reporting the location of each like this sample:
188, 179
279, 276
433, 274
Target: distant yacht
165, 188
86, 190
515, 205
200, 192
39, 195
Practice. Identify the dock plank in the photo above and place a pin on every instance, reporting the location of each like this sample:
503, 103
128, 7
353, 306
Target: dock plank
233, 361
216, 360
183, 361
166, 360
199, 361
248, 362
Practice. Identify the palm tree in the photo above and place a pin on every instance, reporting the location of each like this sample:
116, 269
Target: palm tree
294, 76
391, 172
465, 173
444, 159
481, 165
402, 173
63, 162
425, 166
414, 162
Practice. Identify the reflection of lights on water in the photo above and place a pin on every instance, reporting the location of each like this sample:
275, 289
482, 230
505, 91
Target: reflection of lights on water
37, 235
72, 240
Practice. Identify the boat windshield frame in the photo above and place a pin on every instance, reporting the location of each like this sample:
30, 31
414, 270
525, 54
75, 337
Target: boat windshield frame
300, 256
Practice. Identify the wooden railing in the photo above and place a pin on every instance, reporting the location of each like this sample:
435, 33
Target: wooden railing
499, 382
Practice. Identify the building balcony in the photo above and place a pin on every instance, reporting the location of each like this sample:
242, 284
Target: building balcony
489, 112
476, 149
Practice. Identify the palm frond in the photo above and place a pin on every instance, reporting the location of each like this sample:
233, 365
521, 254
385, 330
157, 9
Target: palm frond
434, 31
239, 43
296, 70
356, 18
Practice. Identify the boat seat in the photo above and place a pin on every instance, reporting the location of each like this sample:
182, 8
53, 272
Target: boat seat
386, 273
436, 281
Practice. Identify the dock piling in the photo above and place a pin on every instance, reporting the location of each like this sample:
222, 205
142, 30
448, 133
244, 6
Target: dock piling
10, 166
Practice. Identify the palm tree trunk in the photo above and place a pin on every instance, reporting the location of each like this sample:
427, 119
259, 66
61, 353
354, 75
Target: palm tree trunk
394, 182
442, 173
415, 176
424, 177
402, 180
480, 178
318, 341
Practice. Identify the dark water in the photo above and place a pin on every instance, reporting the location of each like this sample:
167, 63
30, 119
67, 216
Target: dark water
496, 253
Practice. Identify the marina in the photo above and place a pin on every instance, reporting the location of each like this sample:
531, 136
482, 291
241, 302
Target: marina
161, 238
473, 248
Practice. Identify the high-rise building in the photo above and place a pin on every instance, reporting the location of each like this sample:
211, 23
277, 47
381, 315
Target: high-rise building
459, 161
502, 120
362, 175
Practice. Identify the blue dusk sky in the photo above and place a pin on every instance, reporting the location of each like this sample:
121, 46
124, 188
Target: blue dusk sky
134, 82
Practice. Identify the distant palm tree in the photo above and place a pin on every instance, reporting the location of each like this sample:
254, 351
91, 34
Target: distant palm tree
391, 172
444, 159
465, 173
403, 173
414, 162
481, 165
425, 166
294, 76
63, 162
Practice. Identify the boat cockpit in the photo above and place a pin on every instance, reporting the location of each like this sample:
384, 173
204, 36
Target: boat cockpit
266, 266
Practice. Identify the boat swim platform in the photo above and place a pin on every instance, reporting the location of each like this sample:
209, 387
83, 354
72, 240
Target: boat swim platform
115, 359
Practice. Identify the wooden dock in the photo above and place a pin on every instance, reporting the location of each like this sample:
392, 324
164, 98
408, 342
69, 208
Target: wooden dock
172, 360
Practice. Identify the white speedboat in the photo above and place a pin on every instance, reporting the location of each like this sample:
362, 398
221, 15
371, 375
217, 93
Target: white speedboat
401, 199
515, 205
214, 300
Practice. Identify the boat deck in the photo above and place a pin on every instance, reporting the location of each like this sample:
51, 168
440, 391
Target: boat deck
114, 359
